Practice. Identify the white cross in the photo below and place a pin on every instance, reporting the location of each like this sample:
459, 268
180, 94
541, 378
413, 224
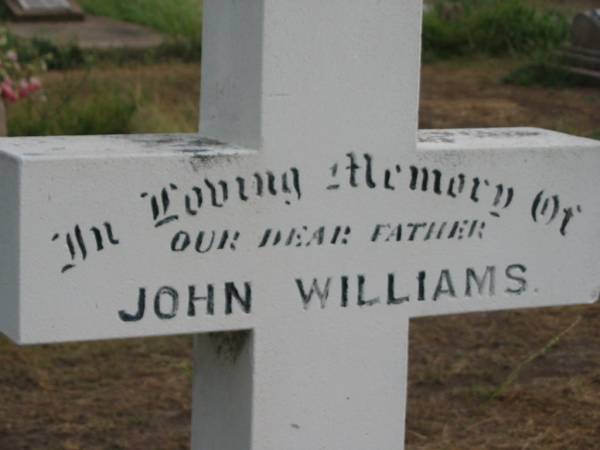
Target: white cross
309, 239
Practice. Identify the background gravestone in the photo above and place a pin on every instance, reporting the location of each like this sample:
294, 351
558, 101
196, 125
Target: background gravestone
44, 10
582, 57
585, 31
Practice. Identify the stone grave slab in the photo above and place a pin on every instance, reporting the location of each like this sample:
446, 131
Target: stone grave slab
45, 10
300, 233
582, 56
99, 33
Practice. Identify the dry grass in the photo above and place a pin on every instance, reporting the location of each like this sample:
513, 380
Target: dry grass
458, 363
463, 93
166, 94
131, 395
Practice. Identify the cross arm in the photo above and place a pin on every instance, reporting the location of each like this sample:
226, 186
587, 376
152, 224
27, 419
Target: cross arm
63, 203
534, 193
132, 236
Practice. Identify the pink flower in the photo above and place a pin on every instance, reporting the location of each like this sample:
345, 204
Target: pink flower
23, 89
7, 91
28, 87
34, 85
12, 55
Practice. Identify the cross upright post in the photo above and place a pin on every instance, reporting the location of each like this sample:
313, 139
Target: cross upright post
298, 236
314, 81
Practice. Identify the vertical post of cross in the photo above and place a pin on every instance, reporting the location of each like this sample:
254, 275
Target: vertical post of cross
317, 79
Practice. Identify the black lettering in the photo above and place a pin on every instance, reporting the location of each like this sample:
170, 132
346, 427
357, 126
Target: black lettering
395, 234
369, 171
214, 194
347, 232
415, 229
361, 293
265, 238
224, 239
293, 236
414, 178
110, 234
141, 309
271, 183
162, 292
444, 286
231, 293
242, 188
454, 230
516, 272
80, 242
315, 289
392, 299
489, 278
200, 240
180, 242
475, 190
193, 210
209, 298
344, 291
377, 231
317, 238
98, 237
437, 182
421, 278
296, 182
353, 168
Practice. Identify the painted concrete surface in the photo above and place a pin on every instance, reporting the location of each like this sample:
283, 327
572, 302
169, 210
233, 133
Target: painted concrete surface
190, 232
302, 232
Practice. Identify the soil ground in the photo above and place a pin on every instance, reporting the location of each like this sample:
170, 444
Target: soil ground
135, 394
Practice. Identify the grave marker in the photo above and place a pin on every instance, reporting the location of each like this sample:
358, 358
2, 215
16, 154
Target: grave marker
44, 4
582, 57
40, 10
300, 236
585, 31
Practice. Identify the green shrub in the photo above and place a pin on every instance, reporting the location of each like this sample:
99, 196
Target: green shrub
544, 73
107, 108
490, 27
548, 70
4, 11
58, 57
177, 18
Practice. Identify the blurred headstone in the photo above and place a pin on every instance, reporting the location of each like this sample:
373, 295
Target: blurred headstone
45, 10
585, 31
582, 57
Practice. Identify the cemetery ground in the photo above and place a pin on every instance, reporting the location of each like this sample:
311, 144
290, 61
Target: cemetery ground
510, 380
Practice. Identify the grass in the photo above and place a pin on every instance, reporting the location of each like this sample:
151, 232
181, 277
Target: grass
136, 394
106, 108
514, 375
181, 19
109, 100
546, 72
490, 27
